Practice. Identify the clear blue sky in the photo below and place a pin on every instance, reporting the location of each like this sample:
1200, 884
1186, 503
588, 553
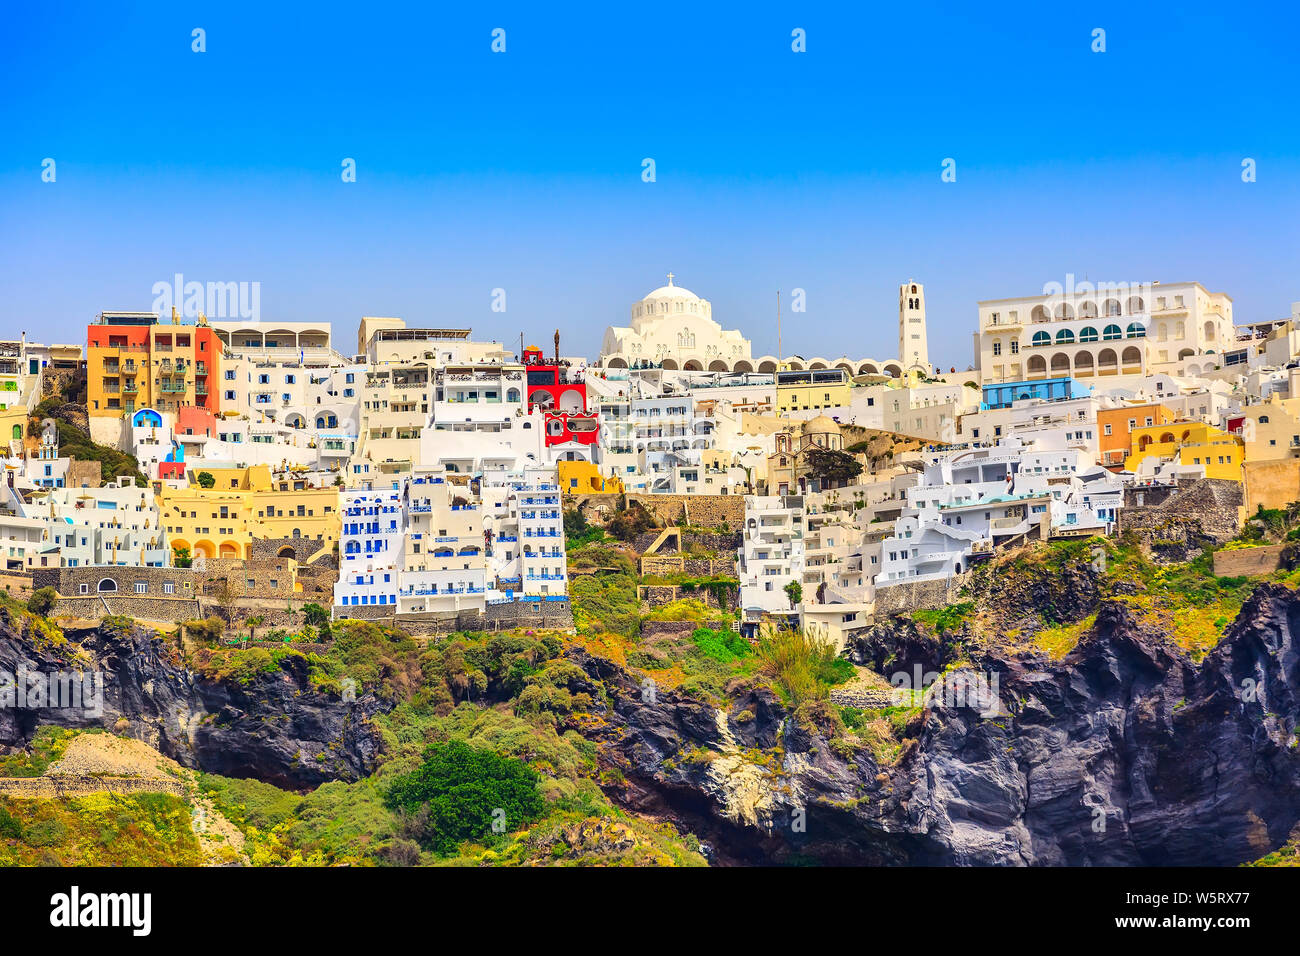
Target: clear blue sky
775, 170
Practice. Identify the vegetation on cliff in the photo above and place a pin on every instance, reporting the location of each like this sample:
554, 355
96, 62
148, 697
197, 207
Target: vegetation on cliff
98, 829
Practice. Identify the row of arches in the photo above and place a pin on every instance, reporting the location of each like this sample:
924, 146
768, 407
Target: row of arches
1111, 333
205, 548
1110, 308
1084, 364
766, 365
1165, 439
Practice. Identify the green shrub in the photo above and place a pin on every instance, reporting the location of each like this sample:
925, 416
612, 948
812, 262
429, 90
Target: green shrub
42, 601
462, 793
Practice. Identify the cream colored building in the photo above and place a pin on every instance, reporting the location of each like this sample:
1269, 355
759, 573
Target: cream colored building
1098, 331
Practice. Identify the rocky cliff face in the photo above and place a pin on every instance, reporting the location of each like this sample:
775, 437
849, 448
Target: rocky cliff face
275, 728
1125, 752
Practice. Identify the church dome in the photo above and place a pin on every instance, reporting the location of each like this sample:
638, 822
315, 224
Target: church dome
821, 425
671, 291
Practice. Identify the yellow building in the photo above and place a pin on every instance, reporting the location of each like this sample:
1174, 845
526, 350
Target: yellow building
244, 505
584, 478
1270, 430
135, 361
812, 389
1188, 443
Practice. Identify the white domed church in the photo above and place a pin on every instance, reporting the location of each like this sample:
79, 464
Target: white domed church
673, 327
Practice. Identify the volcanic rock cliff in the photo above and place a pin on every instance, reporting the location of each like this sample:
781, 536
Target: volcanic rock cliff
275, 727
1128, 749
1125, 752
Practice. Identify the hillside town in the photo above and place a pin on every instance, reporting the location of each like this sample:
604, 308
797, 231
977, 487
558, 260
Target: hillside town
168, 466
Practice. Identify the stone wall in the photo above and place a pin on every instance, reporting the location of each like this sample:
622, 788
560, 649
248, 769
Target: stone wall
554, 615
660, 594
300, 549
651, 630
914, 595
118, 581
725, 543
664, 564
1246, 562
1177, 523
267, 578
557, 615
707, 511
173, 610
48, 788
365, 612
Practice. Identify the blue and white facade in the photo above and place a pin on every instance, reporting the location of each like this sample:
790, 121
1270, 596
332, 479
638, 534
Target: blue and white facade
525, 524
443, 565
370, 547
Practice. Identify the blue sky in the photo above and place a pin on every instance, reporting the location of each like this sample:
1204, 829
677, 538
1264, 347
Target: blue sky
522, 170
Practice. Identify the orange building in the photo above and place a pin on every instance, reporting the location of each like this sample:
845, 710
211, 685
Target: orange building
134, 361
1118, 424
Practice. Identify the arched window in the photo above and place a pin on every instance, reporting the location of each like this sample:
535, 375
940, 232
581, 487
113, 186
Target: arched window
107, 584
1136, 330
1087, 334
512, 395
1042, 338
1065, 337
1112, 332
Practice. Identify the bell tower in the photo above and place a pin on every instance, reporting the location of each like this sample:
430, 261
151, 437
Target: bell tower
912, 348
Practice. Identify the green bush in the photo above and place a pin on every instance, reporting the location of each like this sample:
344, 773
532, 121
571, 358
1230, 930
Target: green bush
724, 645
42, 601
461, 793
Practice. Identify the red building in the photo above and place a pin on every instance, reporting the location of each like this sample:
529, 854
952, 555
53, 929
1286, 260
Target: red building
134, 361
562, 395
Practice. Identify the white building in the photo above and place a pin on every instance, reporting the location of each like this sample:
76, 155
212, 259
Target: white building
443, 564
525, 529
117, 524
970, 502
771, 554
